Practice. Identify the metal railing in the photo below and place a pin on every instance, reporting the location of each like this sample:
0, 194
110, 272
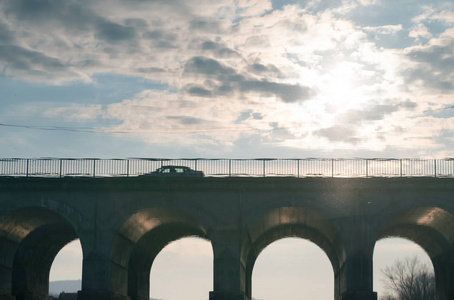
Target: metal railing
262, 167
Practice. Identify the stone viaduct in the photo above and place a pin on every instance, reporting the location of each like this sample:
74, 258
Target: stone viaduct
123, 223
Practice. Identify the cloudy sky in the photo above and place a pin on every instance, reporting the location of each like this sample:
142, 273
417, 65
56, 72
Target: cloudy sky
226, 78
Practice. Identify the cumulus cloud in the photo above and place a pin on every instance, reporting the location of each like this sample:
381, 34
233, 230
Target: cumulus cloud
218, 50
228, 76
433, 64
295, 75
339, 133
207, 66
374, 112
384, 29
76, 112
286, 92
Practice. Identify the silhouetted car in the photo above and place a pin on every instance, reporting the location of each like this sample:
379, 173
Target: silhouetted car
175, 171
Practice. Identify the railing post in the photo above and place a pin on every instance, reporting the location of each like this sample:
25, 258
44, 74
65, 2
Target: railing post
264, 168
332, 167
367, 168
401, 168
230, 168
195, 164
61, 162
94, 168
26, 172
298, 162
127, 168
435, 167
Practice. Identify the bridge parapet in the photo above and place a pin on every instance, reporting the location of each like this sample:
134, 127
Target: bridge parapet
260, 167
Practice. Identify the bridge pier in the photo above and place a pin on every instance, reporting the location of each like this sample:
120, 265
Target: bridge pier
356, 276
95, 280
229, 272
444, 269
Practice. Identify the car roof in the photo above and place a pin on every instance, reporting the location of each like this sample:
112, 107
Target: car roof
170, 166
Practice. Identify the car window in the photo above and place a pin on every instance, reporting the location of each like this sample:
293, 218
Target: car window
179, 170
166, 170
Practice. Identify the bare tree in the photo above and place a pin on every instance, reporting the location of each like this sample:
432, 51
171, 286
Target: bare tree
409, 280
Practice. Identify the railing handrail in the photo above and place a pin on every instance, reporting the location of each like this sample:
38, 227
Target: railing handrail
229, 167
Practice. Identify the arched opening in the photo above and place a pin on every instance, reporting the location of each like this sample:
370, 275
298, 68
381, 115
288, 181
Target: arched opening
183, 270
293, 269
30, 239
389, 252
293, 222
432, 228
140, 239
66, 271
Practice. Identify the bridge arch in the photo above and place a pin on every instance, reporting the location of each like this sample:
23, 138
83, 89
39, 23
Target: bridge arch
30, 238
432, 228
140, 239
291, 222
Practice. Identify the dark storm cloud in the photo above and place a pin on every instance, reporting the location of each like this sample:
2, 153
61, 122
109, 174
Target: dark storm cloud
435, 67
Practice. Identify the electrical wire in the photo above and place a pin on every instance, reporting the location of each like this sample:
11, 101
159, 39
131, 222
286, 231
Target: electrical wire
98, 130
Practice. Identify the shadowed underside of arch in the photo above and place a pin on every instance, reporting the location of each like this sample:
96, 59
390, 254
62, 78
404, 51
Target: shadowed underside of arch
30, 239
291, 222
139, 241
430, 227
433, 229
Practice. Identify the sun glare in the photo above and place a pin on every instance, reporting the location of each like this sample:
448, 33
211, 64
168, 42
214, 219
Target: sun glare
341, 88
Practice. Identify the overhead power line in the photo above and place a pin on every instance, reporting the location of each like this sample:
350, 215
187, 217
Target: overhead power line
98, 130
61, 128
